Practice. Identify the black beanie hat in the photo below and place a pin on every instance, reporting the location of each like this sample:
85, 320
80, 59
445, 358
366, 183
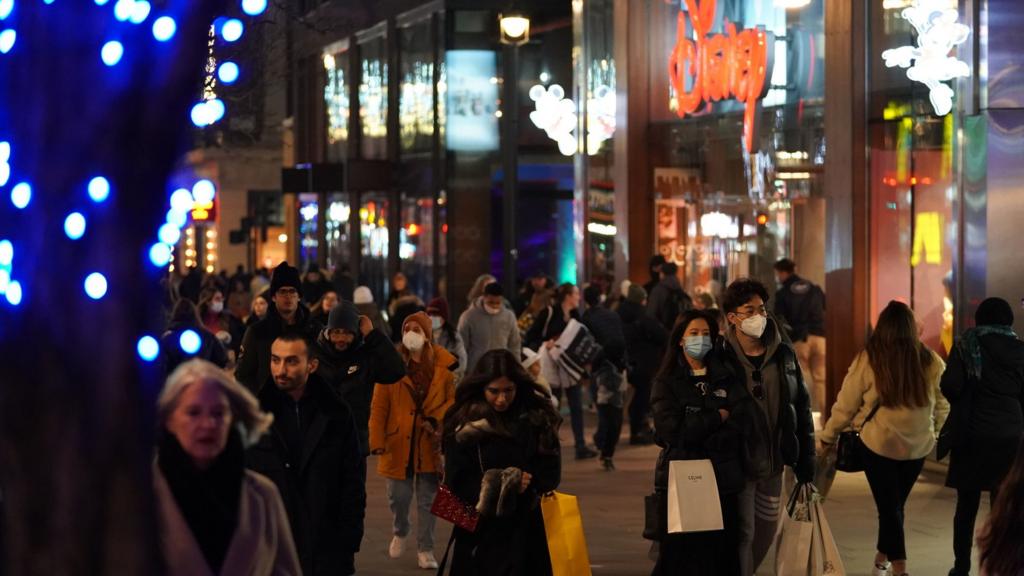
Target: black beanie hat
285, 275
994, 312
344, 316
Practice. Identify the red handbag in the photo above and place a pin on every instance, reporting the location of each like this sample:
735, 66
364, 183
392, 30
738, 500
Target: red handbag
448, 506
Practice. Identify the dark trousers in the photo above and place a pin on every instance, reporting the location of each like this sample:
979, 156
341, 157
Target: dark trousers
891, 482
574, 395
640, 407
609, 428
703, 553
967, 503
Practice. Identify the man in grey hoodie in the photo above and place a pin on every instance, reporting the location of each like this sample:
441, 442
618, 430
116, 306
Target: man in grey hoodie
489, 325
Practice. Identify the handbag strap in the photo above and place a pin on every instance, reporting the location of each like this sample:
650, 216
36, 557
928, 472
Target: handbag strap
871, 414
447, 551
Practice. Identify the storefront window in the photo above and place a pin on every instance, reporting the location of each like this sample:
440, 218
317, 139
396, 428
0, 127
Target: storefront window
912, 186
600, 103
309, 243
339, 228
373, 242
417, 243
373, 97
740, 158
416, 100
336, 98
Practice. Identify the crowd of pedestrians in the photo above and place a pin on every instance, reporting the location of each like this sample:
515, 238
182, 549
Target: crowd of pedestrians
294, 381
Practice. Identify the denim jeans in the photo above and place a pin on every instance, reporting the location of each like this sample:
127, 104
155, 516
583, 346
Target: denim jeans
400, 494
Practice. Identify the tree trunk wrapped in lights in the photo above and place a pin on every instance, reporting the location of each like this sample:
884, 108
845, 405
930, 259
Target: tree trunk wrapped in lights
76, 400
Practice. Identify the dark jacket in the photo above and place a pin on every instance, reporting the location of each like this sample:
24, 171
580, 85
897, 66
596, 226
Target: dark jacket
353, 373
688, 426
801, 306
792, 427
400, 307
253, 368
667, 300
544, 330
986, 419
515, 545
371, 311
606, 326
323, 486
645, 341
210, 348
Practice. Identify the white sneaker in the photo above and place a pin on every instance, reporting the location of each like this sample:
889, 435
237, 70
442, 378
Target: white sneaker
427, 560
882, 569
397, 547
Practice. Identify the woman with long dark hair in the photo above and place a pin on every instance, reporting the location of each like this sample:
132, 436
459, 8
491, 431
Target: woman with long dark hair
697, 402
502, 421
1002, 548
891, 394
984, 382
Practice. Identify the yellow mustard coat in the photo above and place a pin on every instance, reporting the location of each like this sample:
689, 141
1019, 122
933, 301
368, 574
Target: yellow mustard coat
394, 422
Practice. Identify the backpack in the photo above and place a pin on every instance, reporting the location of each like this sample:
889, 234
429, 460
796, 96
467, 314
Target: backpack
677, 303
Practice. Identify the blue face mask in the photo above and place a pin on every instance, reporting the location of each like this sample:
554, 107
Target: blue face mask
697, 347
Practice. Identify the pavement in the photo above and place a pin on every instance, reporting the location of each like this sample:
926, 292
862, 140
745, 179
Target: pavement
612, 507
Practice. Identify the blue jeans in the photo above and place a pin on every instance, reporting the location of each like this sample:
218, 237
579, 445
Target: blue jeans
400, 494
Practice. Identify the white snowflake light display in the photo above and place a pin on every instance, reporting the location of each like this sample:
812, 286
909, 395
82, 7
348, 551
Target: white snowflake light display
938, 33
557, 115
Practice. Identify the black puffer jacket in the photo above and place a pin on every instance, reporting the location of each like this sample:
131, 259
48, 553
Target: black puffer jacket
688, 426
986, 419
353, 373
322, 488
645, 341
606, 326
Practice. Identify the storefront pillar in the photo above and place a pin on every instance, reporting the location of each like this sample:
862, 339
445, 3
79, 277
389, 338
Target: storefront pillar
847, 271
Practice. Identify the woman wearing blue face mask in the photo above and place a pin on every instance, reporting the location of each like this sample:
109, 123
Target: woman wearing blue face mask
701, 410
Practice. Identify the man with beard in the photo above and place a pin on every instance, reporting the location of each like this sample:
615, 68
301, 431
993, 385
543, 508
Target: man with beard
353, 358
285, 315
312, 455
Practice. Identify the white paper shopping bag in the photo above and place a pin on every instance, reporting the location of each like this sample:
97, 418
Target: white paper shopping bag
693, 503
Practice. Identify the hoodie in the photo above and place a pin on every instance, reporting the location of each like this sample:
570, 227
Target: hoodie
482, 332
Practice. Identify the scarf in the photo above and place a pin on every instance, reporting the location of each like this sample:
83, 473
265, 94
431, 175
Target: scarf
970, 345
208, 499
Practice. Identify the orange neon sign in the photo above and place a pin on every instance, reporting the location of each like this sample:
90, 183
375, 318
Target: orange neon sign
730, 65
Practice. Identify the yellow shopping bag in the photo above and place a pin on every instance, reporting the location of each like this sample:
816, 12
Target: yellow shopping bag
563, 525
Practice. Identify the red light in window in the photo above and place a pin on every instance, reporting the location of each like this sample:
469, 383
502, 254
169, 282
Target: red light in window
444, 228
762, 219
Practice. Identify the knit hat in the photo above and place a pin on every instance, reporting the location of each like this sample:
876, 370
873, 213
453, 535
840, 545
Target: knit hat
994, 312
285, 275
423, 320
636, 294
438, 307
344, 316
529, 358
362, 295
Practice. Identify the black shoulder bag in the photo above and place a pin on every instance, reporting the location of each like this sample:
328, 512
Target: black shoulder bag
850, 449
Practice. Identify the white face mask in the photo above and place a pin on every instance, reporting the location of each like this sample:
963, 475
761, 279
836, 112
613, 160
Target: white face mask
217, 307
493, 311
435, 323
413, 341
754, 326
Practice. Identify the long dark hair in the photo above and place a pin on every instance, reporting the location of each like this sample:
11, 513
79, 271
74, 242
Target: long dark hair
1002, 548
672, 351
898, 358
494, 365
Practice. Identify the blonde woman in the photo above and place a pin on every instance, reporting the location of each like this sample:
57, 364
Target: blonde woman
216, 518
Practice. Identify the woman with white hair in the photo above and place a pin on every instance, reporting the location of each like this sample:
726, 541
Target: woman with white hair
216, 517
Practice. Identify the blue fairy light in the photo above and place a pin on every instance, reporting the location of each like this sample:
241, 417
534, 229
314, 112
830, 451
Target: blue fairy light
21, 195
140, 11
74, 225
112, 52
7, 38
215, 110
14, 293
232, 30
99, 189
148, 348
189, 341
123, 9
181, 200
204, 191
169, 234
164, 28
254, 7
96, 285
6, 6
228, 72
6, 252
177, 217
160, 254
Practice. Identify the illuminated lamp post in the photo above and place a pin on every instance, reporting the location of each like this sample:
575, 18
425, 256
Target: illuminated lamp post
514, 29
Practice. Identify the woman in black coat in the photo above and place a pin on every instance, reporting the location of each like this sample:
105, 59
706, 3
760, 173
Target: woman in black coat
502, 419
984, 383
701, 410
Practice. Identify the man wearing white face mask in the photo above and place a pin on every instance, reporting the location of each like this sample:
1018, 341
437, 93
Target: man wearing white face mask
767, 364
489, 325
406, 421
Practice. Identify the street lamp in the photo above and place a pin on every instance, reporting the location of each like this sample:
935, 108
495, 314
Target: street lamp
515, 28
